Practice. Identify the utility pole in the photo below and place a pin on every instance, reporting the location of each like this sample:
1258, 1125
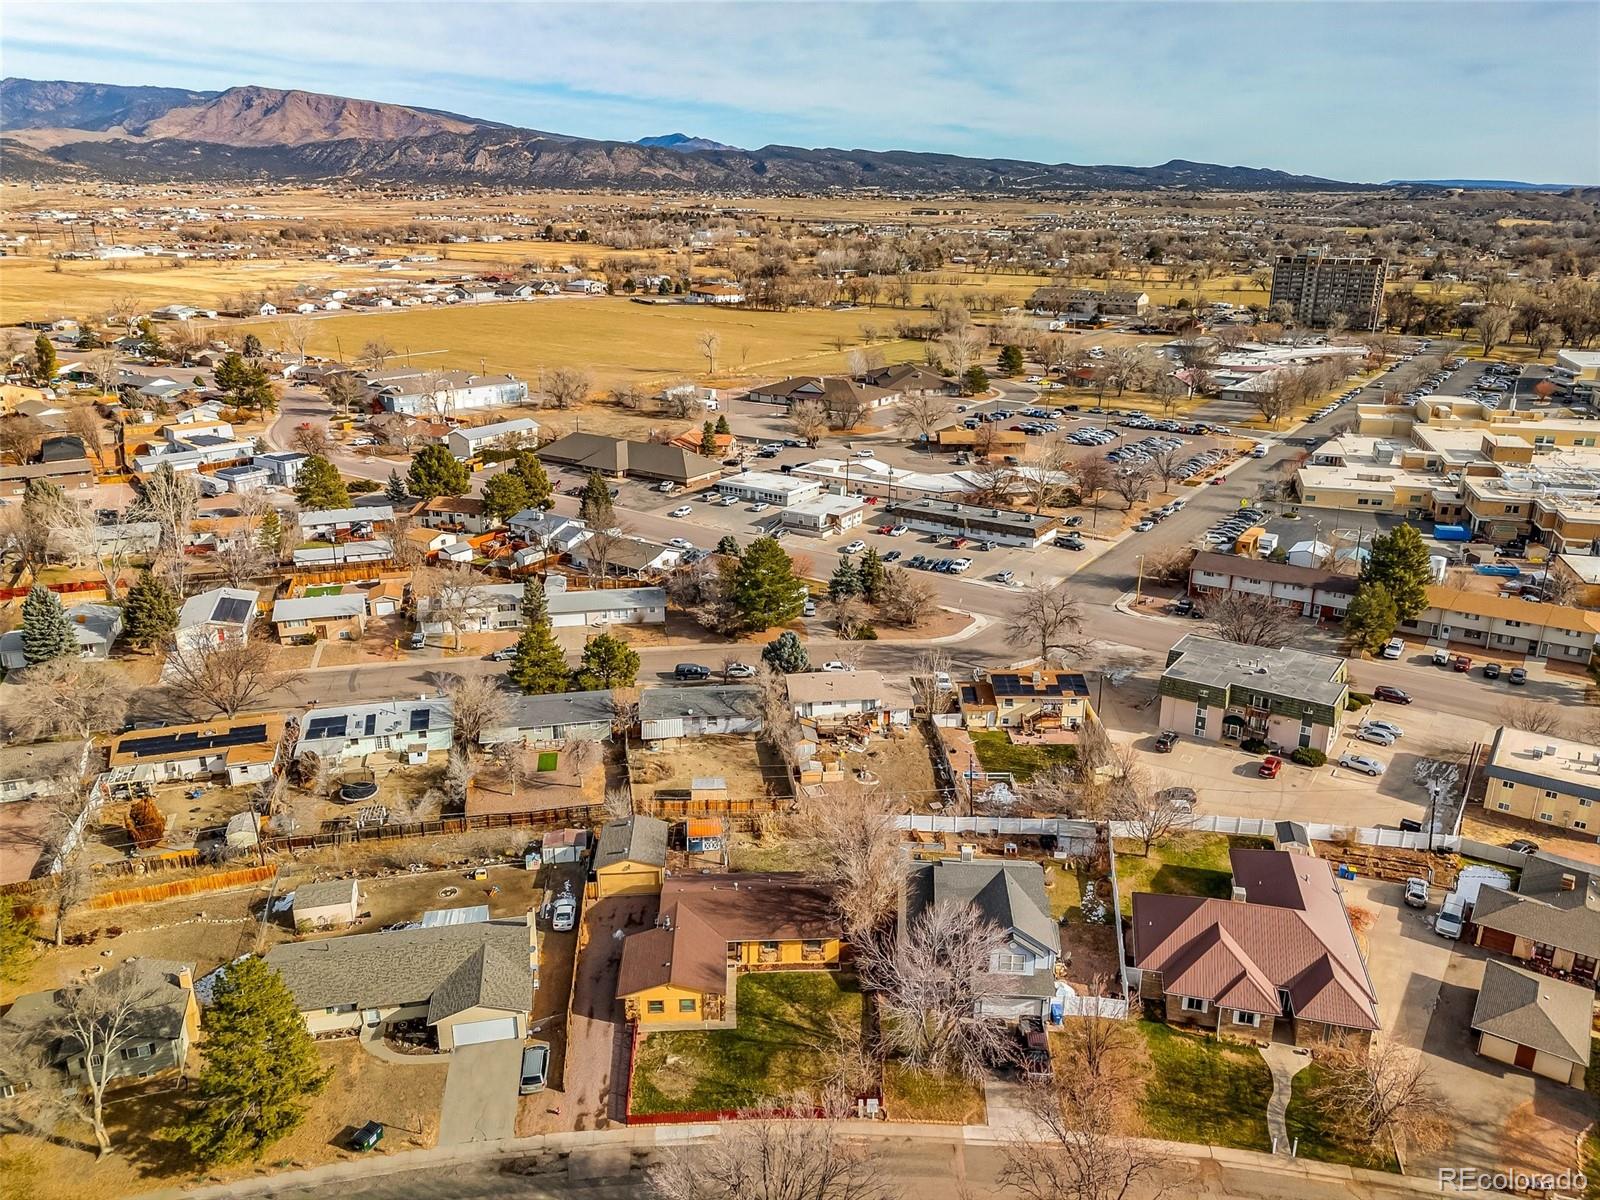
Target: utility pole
1138, 583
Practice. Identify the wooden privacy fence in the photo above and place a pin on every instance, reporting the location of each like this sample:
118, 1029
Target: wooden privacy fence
335, 834
152, 893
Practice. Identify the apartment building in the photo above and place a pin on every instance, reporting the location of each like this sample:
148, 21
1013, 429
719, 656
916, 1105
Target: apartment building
1540, 777
1307, 591
1219, 690
1508, 625
1581, 370
1318, 285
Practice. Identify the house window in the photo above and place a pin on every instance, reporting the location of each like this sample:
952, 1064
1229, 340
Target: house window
147, 1050
1580, 824
655, 1006
769, 947
1544, 816
1240, 1017
813, 945
686, 1006
1010, 964
1506, 783
1503, 805
1195, 1004
1549, 795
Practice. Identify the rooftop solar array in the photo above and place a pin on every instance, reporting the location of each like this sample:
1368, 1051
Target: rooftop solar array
325, 727
231, 609
420, 717
1012, 684
162, 745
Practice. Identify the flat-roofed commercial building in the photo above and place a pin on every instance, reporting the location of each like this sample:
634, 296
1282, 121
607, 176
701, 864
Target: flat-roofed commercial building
770, 487
1318, 285
1003, 526
1222, 691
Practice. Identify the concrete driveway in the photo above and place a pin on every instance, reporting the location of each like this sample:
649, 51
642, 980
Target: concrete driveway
480, 1093
1427, 987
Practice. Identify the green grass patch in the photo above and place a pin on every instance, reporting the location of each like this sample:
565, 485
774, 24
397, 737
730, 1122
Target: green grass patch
325, 589
997, 753
910, 1094
778, 1047
1205, 1091
1192, 864
1318, 1140
548, 760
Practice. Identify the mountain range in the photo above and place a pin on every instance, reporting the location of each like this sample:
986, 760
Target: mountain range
58, 130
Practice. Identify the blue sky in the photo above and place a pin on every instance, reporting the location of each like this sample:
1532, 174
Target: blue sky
1349, 90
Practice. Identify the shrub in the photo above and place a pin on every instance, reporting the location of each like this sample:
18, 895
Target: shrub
1255, 746
866, 634
1357, 700
1308, 756
146, 823
360, 487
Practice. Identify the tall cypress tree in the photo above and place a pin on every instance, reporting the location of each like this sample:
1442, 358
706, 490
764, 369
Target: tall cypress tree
535, 610
260, 1067
46, 628
150, 613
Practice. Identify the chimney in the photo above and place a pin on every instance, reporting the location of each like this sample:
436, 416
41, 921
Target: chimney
1238, 896
968, 852
1038, 678
1569, 882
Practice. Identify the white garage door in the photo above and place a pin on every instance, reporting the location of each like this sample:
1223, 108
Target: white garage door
470, 1033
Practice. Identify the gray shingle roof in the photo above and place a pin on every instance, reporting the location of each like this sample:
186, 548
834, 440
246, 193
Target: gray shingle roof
406, 966
1010, 894
1533, 1010
485, 980
707, 703
638, 838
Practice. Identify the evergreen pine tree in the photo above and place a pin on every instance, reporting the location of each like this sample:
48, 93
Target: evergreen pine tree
786, 653
44, 361
260, 1067
269, 535
594, 506
765, 591
872, 574
534, 477
846, 580
1370, 619
974, 381
1399, 561
320, 486
708, 440
729, 545
1011, 361
608, 662
723, 426
46, 628
535, 611
395, 489
150, 613
504, 496
540, 667
436, 472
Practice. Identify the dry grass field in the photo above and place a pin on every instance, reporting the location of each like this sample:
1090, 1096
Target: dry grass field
615, 340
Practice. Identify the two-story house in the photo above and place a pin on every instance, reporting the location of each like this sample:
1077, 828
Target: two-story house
1032, 701
835, 698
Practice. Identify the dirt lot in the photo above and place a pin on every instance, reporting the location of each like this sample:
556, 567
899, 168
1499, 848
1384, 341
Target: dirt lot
508, 891
577, 778
363, 1088
1485, 825
745, 764
900, 765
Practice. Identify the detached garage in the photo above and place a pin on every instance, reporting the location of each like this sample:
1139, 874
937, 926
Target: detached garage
1534, 1023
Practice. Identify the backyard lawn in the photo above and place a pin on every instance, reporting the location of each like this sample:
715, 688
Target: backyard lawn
548, 760
1191, 864
1204, 1091
997, 753
913, 1095
779, 1046
1318, 1141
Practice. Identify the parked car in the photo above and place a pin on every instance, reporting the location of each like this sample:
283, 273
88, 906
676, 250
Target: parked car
535, 1069
1179, 797
892, 556
835, 665
1165, 741
1463, 663
1004, 577
1393, 648
1035, 1048
564, 913
1449, 922
679, 543
1388, 727
691, 671
1362, 763
760, 506
855, 547
1491, 670
1417, 892
1270, 766
1523, 846
1519, 676
504, 654
741, 670
1391, 694
681, 511
810, 610
1378, 737
417, 641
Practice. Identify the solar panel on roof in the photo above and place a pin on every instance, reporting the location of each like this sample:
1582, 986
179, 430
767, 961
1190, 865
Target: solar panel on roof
420, 718
372, 724
160, 745
322, 727
232, 609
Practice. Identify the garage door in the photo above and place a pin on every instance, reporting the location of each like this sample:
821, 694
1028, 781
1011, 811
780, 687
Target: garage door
470, 1033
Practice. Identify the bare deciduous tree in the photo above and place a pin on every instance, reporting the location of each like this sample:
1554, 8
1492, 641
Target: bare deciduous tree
567, 386
708, 343
1150, 814
1381, 1096
1530, 717
477, 703
931, 680
855, 845
922, 415
451, 596
809, 420
906, 600
1045, 619
1131, 483
225, 677
66, 696
1251, 620
311, 438
933, 982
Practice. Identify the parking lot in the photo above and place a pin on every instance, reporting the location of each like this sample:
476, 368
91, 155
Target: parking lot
1427, 987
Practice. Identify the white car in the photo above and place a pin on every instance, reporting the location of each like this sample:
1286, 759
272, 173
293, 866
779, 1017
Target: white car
1144, 526
681, 511
960, 565
667, 487
1004, 577
1393, 648
864, 454
1388, 727
900, 531
760, 506
741, 671
855, 547
680, 543
1360, 762
834, 665
727, 502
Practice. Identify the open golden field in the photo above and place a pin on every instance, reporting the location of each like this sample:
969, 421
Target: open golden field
615, 340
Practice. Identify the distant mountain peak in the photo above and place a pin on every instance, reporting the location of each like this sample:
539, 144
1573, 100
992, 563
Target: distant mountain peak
682, 141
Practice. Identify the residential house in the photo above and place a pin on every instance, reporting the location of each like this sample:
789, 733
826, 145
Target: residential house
408, 729
617, 459
682, 973
862, 699
42, 769
370, 552
239, 480
1010, 895
607, 606
1508, 625
332, 616
1220, 690
223, 614
159, 1032
95, 626
241, 749
667, 713
715, 293
1306, 591
442, 394
1028, 701
468, 983
1542, 777
1534, 1023
908, 379
331, 904
631, 858
609, 555
1280, 950
333, 523
460, 514
722, 444
834, 393
468, 441
1552, 920
71, 476
282, 466
547, 531
557, 718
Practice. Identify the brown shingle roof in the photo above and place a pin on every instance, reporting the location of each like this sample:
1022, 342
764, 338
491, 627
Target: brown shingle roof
1291, 932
